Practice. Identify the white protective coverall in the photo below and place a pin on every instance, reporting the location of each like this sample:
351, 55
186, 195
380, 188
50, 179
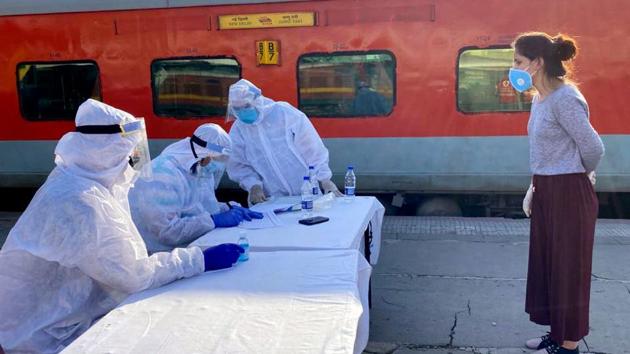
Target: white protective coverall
75, 253
175, 207
276, 150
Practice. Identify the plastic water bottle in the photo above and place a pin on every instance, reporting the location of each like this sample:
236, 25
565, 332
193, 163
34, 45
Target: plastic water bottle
307, 197
350, 182
314, 181
243, 242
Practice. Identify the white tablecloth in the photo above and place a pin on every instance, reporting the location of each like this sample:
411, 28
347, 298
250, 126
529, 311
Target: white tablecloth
344, 230
277, 302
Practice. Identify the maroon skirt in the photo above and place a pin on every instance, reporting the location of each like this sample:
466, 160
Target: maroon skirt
562, 231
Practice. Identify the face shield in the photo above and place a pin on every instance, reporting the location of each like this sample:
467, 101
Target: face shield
242, 100
247, 114
139, 158
218, 156
211, 169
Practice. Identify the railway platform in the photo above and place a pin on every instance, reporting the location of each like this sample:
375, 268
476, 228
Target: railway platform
457, 285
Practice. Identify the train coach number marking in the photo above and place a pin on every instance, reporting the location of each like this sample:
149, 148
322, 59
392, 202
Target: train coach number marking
268, 52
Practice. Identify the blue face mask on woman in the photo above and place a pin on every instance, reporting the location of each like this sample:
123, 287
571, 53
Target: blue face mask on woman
521, 80
247, 115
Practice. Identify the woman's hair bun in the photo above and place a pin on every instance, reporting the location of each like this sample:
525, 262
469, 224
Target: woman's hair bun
565, 47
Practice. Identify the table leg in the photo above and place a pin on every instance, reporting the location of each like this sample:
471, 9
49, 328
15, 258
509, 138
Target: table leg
367, 238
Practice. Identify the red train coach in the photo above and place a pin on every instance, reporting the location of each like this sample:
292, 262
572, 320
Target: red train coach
413, 93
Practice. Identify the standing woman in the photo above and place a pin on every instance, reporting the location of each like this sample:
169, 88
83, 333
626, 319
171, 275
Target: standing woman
564, 152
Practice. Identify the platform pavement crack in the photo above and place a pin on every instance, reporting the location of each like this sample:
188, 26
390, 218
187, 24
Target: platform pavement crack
611, 280
414, 347
599, 277
470, 277
452, 334
586, 344
463, 277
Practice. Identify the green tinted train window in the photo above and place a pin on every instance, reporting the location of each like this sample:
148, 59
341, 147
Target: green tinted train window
483, 85
54, 90
192, 87
347, 84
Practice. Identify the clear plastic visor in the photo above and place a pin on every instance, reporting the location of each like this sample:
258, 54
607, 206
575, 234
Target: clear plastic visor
140, 156
232, 111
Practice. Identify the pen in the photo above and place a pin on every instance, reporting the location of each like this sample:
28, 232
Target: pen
295, 207
281, 210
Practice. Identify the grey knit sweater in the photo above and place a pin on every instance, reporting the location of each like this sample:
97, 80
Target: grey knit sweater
561, 138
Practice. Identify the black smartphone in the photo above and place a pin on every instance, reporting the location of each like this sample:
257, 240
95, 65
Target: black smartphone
314, 220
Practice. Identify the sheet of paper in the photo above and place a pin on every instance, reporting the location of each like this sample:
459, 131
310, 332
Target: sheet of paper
268, 221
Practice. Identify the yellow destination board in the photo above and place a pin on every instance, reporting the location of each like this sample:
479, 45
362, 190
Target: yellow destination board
267, 53
267, 20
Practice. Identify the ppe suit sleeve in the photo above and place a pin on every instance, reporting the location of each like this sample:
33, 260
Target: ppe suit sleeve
310, 146
239, 169
115, 255
158, 207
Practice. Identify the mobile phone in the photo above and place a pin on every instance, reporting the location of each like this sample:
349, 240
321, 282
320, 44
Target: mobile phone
314, 220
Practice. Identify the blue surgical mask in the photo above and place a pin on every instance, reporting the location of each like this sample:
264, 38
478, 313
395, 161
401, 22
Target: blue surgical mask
521, 80
210, 169
215, 166
247, 115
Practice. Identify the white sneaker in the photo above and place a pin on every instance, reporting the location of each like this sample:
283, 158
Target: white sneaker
540, 342
555, 349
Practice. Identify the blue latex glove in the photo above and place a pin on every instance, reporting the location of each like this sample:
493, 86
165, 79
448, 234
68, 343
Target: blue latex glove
228, 218
221, 256
247, 214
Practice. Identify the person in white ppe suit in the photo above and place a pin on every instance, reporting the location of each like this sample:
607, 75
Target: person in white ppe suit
273, 145
178, 204
75, 253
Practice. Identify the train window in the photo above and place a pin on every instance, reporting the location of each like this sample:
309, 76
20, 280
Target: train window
347, 84
192, 87
54, 90
483, 85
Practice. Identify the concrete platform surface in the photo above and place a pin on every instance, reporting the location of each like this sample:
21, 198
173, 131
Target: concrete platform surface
457, 285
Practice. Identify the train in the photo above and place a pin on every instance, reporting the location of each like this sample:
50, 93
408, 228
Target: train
441, 117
